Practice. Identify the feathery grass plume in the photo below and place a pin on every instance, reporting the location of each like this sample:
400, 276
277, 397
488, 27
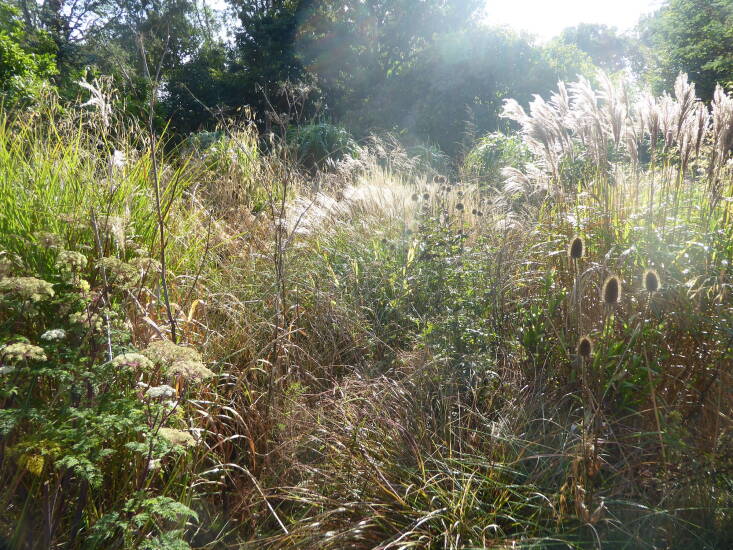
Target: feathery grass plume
611, 291
651, 281
585, 347
576, 248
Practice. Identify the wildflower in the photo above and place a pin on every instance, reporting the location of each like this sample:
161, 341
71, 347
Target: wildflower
7, 369
49, 240
585, 347
153, 464
651, 281
69, 260
576, 249
160, 392
117, 159
83, 286
22, 351
611, 290
133, 360
165, 353
177, 437
93, 320
28, 288
6, 267
117, 270
53, 335
195, 371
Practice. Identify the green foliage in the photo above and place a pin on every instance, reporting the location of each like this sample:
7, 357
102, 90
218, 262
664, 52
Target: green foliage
317, 145
26, 62
694, 37
484, 162
607, 49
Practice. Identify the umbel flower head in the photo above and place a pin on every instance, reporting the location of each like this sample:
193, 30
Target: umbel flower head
133, 360
21, 351
160, 392
53, 335
177, 437
611, 293
651, 281
585, 347
165, 353
193, 371
27, 288
576, 248
68, 260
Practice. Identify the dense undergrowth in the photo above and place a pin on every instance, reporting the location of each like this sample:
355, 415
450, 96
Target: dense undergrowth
366, 358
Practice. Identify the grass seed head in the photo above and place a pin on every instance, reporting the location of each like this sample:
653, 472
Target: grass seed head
612, 290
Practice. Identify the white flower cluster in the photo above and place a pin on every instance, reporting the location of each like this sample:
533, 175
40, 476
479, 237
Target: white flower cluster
160, 392
53, 335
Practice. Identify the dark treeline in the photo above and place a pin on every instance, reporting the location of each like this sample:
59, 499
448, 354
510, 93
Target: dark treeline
433, 71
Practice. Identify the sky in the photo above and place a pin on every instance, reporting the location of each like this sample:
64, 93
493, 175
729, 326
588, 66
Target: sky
546, 18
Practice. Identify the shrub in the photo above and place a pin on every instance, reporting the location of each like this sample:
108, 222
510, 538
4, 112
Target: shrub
317, 145
484, 162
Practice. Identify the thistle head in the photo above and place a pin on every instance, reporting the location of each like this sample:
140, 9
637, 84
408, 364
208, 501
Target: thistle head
585, 347
651, 281
576, 248
611, 293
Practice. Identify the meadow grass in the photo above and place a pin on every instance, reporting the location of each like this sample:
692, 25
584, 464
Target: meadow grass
400, 363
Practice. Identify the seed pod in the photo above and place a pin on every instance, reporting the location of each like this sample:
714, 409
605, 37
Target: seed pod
415, 196
585, 347
459, 206
651, 281
426, 196
612, 291
576, 248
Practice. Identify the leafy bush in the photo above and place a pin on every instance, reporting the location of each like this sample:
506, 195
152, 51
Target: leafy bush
484, 162
316, 145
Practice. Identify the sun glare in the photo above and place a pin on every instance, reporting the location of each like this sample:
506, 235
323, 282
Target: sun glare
546, 18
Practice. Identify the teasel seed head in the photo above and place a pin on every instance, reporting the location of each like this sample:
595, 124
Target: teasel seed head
651, 281
576, 248
611, 290
585, 347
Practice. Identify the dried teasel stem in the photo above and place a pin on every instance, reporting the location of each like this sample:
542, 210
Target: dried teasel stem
585, 348
652, 282
611, 293
576, 248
